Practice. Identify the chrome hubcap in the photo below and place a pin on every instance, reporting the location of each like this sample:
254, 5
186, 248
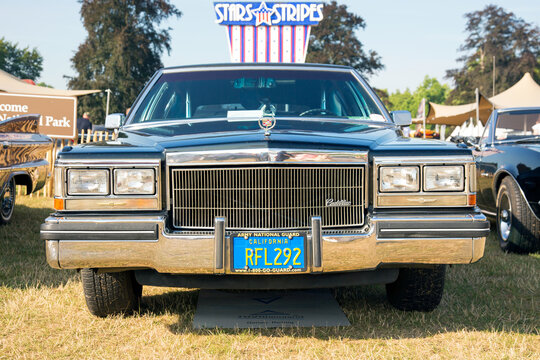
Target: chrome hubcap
505, 217
7, 200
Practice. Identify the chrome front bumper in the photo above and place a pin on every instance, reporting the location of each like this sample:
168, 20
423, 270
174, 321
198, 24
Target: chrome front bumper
391, 238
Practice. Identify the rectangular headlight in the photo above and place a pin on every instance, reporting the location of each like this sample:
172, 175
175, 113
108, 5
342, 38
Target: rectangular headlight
134, 182
444, 178
88, 182
399, 179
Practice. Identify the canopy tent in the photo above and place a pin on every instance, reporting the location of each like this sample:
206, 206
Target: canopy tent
526, 92
11, 84
457, 114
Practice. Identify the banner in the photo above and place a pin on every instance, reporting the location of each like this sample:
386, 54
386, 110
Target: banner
268, 31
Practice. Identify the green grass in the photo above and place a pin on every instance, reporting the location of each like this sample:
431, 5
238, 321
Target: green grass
490, 310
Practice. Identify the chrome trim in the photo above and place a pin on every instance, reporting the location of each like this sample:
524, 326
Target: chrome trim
62, 167
106, 163
427, 230
423, 197
196, 254
97, 232
490, 213
266, 156
316, 242
266, 198
219, 243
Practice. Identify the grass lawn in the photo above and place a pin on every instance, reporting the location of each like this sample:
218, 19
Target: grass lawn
490, 310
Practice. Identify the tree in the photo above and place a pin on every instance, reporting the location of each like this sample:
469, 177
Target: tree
430, 89
121, 52
494, 32
333, 41
22, 63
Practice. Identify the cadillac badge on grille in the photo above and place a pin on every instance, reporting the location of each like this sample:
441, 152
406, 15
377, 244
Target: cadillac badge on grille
268, 119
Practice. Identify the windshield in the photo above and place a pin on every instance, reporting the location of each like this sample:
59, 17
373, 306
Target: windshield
518, 125
237, 93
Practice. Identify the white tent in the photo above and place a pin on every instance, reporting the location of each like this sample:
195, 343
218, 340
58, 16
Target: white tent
524, 93
14, 85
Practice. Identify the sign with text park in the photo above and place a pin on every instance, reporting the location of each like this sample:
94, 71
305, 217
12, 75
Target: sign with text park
58, 113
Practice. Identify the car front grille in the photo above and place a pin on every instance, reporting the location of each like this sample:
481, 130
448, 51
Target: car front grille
267, 197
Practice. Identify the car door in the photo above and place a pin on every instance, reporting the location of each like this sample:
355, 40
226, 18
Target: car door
486, 167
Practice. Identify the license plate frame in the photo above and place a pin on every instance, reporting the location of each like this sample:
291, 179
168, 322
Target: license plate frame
270, 261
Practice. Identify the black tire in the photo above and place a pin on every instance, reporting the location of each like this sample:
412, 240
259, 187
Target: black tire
518, 230
110, 293
417, 289
7, 202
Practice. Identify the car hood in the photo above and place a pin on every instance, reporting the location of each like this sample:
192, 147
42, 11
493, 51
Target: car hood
376, 139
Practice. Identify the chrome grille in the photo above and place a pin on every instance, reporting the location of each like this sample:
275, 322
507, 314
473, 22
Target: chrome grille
266, 197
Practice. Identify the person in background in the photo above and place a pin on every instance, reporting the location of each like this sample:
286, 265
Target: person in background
84, 123
536, 127
419, 131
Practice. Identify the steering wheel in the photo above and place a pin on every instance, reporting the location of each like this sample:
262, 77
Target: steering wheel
317, 111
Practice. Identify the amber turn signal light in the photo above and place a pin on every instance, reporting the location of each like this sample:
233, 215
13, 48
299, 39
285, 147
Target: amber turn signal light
472, 199
59, 204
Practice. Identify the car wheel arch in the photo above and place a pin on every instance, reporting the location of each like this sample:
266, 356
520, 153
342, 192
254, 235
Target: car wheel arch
23, 178
500, 175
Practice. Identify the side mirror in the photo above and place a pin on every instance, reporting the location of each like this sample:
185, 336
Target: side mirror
471, 141
114, 121
402, 118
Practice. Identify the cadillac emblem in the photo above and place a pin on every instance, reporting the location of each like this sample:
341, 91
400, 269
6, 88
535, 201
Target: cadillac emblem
268, 120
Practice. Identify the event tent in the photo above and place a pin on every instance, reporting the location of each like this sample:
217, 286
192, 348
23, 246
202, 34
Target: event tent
11, 84
526, 92
457, 114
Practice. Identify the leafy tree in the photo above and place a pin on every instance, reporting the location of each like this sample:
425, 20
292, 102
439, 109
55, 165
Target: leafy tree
22, 63
494, 32
333, 41
430, 89
121, 52
384, 96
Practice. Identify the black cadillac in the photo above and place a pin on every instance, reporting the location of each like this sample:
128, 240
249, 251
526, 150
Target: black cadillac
259, 177
508, 160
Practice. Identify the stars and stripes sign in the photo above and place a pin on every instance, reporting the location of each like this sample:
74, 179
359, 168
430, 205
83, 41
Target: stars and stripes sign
268, 31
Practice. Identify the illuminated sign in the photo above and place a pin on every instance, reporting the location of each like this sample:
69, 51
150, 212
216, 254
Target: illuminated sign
268, 31
268, 13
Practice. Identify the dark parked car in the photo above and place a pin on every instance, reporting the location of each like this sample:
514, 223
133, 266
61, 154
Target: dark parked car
508, 161
22, 160
259, 177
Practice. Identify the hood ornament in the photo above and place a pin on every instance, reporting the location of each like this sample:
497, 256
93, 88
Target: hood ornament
267, 121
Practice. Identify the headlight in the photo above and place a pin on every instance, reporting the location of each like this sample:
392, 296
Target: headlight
134, 181
88, 182
399, 179
444, 178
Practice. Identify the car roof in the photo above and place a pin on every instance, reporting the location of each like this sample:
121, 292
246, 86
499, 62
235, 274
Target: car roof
515, 109
218, 66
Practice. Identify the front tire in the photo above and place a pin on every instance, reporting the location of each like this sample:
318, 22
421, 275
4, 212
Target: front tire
518, 229
417, 289
7, 202
110, 293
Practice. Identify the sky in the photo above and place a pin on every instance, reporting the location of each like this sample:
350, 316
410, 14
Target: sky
414, 38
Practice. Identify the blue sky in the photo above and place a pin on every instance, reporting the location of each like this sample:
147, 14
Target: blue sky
414, 38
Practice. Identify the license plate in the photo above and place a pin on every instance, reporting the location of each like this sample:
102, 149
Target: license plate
271, 252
